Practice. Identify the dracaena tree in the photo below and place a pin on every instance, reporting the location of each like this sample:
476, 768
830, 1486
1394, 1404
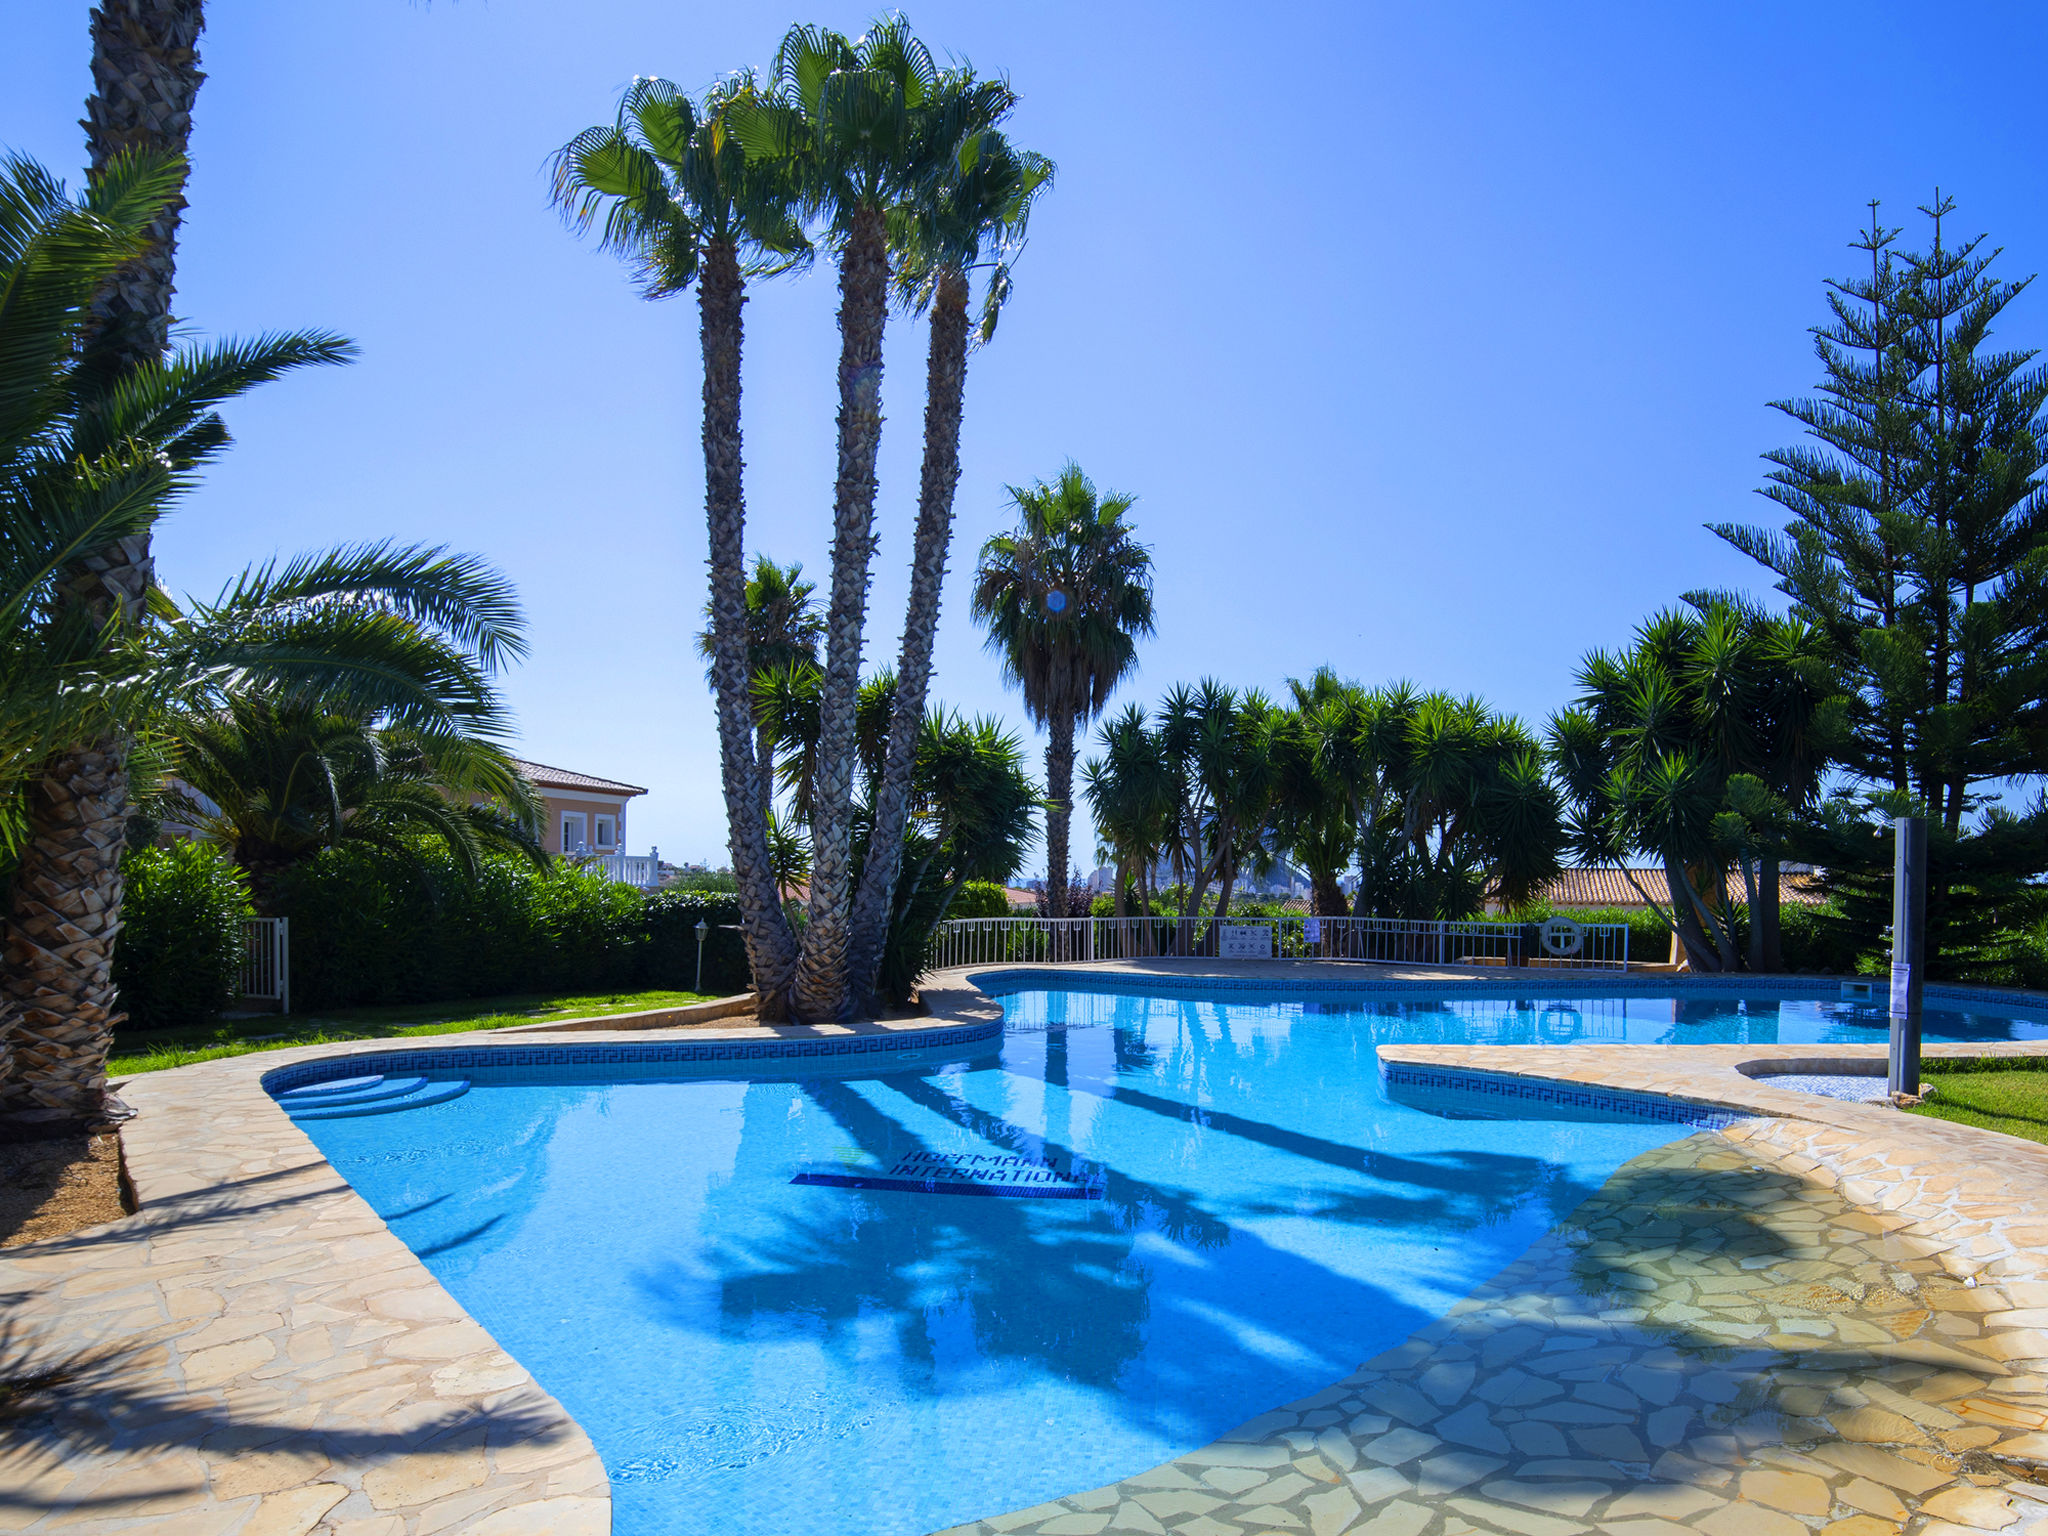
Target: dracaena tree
1130, 798
1691, 747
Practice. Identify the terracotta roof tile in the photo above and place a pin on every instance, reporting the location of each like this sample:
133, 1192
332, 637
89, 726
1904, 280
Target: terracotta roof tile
1608, 886
544, 777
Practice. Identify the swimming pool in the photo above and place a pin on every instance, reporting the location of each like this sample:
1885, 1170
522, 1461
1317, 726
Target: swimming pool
760, 1298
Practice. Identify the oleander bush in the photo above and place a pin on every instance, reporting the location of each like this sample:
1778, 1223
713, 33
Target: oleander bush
179, 954
368, 928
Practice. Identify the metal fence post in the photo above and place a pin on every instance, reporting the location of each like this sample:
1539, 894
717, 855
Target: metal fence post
284, 965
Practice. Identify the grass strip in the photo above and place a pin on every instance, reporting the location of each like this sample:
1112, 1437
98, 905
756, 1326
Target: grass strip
2010, 1097
160, 1050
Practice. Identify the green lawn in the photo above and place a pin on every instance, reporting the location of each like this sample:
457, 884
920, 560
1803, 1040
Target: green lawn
154, 1050
2009, 1099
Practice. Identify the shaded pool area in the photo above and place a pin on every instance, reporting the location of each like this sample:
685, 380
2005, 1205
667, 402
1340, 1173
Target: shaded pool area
748, 1352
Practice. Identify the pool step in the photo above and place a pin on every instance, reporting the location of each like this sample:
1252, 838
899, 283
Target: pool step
376, 1099
354, 1090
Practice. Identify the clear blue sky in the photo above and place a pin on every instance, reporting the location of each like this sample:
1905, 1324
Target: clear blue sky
1427, 335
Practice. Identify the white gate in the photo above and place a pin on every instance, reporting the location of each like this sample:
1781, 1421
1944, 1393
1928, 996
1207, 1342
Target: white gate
267, 961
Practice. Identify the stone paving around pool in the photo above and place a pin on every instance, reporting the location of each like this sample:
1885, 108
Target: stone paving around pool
1831, 1323
1825, 1319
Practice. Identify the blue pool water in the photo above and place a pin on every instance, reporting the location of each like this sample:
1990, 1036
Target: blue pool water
760, 1356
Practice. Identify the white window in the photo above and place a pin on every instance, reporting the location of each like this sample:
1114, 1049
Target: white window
607, 832
574, 836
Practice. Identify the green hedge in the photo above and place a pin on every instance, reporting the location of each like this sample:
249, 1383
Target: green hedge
179, 953
370, 929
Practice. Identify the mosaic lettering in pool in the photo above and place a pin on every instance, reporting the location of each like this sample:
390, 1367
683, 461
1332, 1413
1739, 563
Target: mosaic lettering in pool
764, 1357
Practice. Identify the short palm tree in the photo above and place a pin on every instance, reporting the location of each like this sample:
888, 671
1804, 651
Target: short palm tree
275, 780
684, 201
974, 212
1064, 598
783, 631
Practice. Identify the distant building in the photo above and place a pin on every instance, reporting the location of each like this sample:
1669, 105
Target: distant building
1612, 885
585, 814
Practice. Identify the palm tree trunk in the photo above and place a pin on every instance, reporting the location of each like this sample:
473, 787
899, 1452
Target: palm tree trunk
1329, 895
1765, 919
1059, 805
820, 991
771, 948
64, 909
65, 914
945, 387
1750, 906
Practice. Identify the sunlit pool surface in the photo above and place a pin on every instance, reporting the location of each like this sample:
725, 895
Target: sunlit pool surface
758, 1356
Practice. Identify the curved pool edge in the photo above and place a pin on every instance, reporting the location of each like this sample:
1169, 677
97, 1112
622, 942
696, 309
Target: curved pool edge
316, 1372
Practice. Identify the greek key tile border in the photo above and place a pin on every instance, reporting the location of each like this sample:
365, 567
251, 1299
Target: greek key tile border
1502, 1095
998, 982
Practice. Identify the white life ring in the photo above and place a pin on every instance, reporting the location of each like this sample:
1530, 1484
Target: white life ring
1562, 937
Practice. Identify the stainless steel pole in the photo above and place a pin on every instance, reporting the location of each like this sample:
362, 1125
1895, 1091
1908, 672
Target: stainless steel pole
1909, 948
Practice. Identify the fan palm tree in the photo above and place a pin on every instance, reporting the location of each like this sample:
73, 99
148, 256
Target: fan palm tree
1064, 598
94, 447
684, 201
862, 119
975, 211
783, 631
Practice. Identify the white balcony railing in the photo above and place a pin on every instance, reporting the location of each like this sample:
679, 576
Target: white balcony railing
642, 870
1390, 940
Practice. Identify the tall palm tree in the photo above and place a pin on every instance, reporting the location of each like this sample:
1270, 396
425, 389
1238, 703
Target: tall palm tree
80, 425
685, 201
976, 211
856, 116
783, 631
1064, 598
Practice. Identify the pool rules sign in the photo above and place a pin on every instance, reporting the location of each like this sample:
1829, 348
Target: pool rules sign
1244, 941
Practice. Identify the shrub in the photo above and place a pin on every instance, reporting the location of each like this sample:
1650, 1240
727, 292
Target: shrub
368, 928
980, 898
179, 953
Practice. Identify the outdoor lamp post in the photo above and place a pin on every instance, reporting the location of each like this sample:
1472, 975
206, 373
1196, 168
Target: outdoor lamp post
703, 932
1909, 946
